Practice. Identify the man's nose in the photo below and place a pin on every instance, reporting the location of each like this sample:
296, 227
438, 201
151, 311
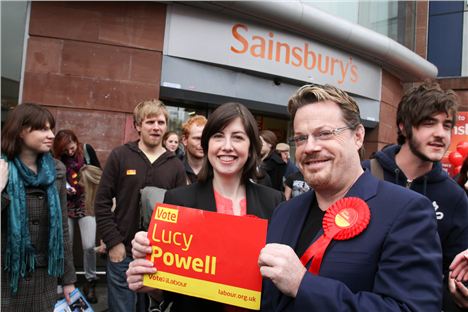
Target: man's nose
311, 145
441, 131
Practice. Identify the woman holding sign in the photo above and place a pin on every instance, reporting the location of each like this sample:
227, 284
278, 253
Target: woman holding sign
231, 145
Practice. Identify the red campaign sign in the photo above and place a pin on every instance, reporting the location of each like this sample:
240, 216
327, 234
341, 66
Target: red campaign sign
207, 254
458, 148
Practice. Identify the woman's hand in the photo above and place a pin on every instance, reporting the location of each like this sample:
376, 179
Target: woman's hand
136, 269
67, 290
141, 245
3, 174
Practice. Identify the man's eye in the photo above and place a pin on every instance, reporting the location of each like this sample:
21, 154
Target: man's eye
325, 134
448, 126
301, 138
428, 122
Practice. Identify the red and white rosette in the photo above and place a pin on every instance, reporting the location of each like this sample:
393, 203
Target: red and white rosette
345, 219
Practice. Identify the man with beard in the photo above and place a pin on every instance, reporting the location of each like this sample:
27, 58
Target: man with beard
425, 117
191, 138
353, 243
128, 169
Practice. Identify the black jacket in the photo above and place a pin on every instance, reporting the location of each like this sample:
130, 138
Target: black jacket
127, 171
275, 167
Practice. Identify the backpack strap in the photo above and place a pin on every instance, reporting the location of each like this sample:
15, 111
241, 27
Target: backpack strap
86, 154
376, 169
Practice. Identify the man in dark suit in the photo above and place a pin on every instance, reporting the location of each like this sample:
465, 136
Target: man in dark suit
386, 255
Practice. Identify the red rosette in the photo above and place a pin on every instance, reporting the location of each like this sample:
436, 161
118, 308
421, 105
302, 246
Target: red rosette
346, 218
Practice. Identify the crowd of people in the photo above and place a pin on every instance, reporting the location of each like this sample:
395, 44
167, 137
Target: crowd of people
409, 254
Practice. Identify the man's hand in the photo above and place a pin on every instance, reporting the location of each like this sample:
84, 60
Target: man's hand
459, 274
117, 253
67, 290
280, 264
141, 245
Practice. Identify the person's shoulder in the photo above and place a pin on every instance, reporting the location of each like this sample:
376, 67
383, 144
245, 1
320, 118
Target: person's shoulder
60, 170
263, 189
59, 166
88, 147
123, 148
185, 189
183, 195
400, 198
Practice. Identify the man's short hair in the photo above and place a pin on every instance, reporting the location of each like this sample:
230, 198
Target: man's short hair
197, 120
421, 102
310, 94
149, 108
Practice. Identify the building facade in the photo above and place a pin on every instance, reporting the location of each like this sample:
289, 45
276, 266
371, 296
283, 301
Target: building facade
90, 63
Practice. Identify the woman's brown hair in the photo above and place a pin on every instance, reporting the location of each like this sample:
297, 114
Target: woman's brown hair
219, 120
62, 139
24, 116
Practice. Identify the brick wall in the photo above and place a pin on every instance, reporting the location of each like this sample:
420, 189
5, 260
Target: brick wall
386, 132
92, 62
460, 86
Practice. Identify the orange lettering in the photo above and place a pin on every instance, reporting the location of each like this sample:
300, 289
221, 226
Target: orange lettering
260, 47
297, 56
242, 40
278, 52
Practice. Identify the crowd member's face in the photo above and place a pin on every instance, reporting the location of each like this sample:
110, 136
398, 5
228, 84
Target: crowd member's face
431, 139
172, 142
152, 130
192, 142
284, 156
70, 149
266, 147
228, 150
38, 141
325, 163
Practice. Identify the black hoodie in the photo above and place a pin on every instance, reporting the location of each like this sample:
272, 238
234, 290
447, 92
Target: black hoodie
448, 198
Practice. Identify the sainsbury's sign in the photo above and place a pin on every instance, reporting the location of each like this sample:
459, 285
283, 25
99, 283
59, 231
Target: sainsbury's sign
298, 56
214, 38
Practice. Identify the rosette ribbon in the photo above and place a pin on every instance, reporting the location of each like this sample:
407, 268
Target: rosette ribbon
345, 219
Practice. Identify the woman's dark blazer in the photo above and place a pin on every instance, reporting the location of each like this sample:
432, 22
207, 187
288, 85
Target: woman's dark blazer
261, 201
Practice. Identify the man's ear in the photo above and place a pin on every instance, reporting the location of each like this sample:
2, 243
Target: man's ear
137, 128
359, 133
402, 128
184, 140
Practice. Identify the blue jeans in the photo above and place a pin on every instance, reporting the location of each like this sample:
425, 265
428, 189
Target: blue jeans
119, 297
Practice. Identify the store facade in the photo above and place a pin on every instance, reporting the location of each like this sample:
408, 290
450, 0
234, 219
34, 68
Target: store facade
91, 63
